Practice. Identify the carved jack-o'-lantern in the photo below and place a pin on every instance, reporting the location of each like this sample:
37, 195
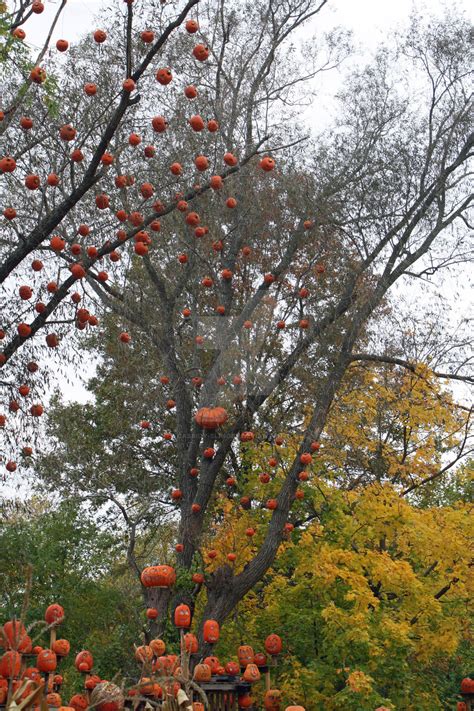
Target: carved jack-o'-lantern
144, 654
211, 631
202, 672
245, 654
158, 576
158, 647
182, 616
272, 700
251, 673
273, 644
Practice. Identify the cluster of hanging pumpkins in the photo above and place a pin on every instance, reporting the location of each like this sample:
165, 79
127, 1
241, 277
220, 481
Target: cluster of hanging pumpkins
86, 256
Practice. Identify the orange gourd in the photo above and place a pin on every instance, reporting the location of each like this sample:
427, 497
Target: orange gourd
210, 418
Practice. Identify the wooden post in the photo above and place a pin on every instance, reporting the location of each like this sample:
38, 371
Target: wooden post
52, 640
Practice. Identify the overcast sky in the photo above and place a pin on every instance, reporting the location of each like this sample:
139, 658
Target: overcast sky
370, 20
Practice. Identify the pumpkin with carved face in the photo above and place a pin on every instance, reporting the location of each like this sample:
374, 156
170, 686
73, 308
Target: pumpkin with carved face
246, 655
272, 700
251, 673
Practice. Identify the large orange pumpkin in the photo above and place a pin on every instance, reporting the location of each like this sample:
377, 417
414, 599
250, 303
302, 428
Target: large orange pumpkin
158, 576
210, 418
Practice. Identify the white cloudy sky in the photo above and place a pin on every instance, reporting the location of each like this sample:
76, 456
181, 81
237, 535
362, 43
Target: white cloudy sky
370, 20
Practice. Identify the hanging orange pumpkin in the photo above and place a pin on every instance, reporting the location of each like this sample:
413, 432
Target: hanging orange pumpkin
164, 76
267, 164
210, 418
201, 52
192, 26
158, 576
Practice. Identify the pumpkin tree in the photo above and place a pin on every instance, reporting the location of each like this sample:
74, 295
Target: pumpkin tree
171, 194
